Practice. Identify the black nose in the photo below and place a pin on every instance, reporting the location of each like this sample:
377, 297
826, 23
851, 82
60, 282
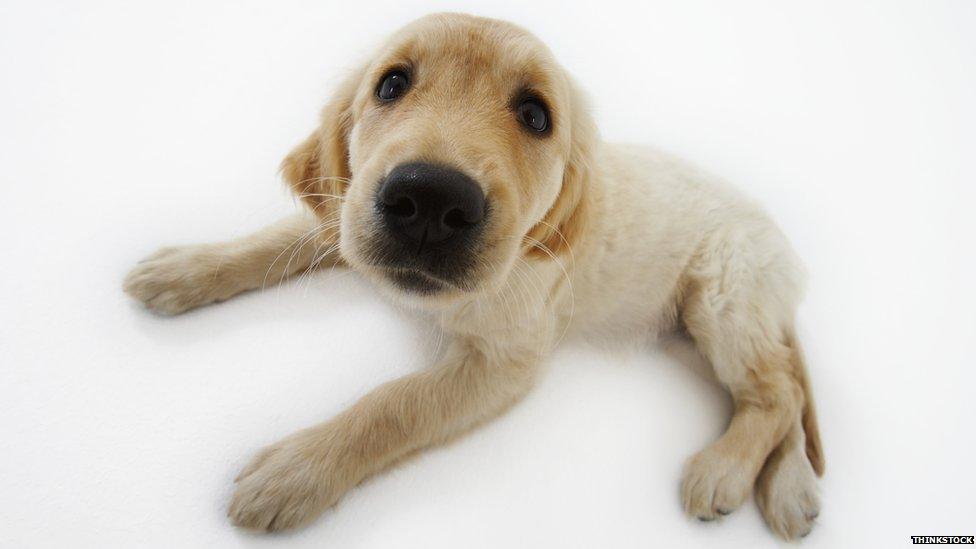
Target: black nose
430, 204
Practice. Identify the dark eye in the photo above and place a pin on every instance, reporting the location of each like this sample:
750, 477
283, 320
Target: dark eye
393, 85
534, 115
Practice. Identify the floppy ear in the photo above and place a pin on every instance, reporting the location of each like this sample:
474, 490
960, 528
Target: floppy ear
565, 221
317, 170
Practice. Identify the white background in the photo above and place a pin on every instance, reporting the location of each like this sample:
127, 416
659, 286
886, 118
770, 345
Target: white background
125, 126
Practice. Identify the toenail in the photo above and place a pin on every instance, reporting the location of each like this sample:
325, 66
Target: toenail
724, 512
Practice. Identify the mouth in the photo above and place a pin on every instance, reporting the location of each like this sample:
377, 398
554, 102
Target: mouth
417, 282
435, 270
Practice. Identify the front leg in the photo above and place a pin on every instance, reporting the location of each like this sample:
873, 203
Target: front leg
177, 279
293, 481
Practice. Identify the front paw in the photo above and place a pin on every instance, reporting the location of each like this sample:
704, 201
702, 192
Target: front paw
287, 485
174, 280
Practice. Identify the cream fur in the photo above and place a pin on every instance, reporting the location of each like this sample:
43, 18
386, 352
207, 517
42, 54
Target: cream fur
590, 238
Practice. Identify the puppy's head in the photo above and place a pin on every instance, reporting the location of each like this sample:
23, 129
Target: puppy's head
460, 147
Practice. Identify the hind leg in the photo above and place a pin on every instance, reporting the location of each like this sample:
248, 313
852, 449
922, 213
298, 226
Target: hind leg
787, 487
721, 477
743, 331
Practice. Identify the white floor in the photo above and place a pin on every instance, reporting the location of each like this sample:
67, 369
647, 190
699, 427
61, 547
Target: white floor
125, 126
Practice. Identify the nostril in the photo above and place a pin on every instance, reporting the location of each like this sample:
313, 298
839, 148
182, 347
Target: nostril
455, 219
403, 207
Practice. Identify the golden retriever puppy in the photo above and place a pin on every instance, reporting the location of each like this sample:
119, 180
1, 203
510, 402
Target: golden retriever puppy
460, 171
